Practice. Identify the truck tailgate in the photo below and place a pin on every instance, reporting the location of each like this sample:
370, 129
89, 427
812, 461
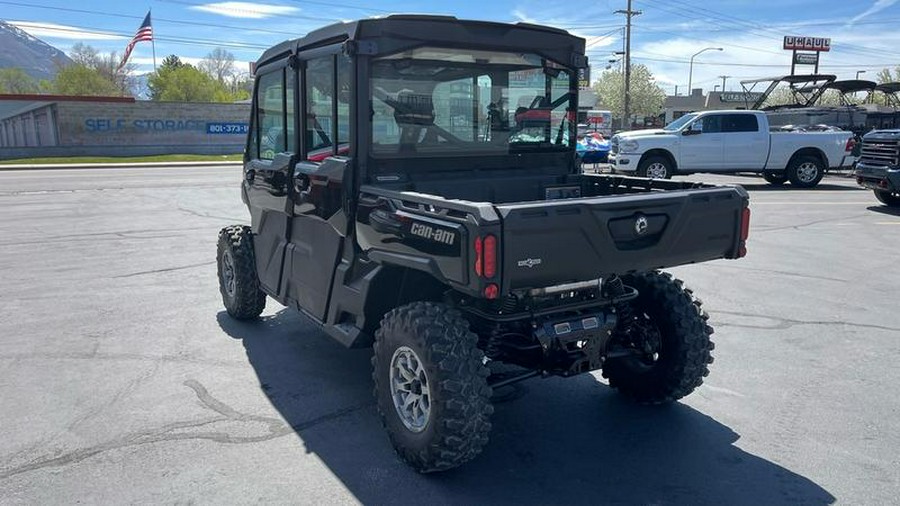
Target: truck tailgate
552, 242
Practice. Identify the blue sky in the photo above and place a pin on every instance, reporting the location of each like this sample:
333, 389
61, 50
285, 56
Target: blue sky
665, 35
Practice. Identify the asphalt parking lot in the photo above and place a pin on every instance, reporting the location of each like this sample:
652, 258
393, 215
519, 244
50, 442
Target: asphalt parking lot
123, 381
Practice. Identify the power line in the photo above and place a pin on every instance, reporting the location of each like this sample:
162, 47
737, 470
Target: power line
155, 19
180, 40
756, 26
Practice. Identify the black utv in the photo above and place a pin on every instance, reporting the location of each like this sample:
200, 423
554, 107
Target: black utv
413, 186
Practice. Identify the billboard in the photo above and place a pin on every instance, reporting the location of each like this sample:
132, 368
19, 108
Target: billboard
796, 43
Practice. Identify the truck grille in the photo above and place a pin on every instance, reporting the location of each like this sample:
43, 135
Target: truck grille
879, 152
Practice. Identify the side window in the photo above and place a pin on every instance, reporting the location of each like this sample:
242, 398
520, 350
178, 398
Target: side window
740, 123
344, 95
319, 96
270, 115
712, 124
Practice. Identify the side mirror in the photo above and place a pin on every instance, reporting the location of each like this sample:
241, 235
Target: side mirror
691, 131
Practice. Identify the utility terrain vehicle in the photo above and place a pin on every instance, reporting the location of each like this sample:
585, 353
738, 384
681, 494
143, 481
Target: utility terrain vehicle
412, 184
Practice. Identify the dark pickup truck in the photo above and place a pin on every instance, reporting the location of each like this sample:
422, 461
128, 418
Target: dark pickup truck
878, 167
413, 186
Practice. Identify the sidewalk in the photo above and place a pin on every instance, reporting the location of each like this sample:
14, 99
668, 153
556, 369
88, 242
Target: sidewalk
134, 165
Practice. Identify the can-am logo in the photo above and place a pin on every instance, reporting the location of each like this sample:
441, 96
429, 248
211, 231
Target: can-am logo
529, 262
641, 225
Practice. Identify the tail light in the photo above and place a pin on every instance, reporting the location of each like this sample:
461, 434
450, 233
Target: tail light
486, 263
490, 256
851, 143
745, 232
479, 256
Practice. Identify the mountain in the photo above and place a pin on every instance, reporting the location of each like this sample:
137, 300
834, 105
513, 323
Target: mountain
37, 58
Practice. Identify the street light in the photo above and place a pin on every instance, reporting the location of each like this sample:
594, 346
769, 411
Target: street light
858, 72
691, 71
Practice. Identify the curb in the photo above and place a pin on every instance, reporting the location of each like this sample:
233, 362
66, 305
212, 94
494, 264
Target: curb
135, 165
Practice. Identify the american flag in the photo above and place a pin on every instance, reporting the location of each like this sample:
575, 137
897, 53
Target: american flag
144, 33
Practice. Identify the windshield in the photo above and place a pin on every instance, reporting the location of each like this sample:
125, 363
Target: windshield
432, 101
680, 122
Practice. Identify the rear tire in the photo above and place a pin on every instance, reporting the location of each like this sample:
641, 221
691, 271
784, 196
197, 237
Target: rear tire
887, 198
806, 171
238, 282
679, 361
775, 178
655, 167
431, 386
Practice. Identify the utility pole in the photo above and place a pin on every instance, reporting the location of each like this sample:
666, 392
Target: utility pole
723, 81
628, 15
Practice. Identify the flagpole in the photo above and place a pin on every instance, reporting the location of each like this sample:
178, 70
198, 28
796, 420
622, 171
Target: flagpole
153, 43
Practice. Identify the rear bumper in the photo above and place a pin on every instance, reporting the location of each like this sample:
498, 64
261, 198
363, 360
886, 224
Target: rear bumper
878, 177
624, 162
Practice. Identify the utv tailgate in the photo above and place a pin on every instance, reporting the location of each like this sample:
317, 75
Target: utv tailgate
552, 242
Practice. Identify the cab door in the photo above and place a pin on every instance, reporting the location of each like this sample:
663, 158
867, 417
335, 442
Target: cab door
319, 223
267, 176
746, 147
702, 144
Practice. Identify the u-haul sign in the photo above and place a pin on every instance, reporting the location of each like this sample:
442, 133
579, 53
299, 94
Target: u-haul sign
807, 43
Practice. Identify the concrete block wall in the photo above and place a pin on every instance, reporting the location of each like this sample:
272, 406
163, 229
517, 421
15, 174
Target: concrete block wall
96, 127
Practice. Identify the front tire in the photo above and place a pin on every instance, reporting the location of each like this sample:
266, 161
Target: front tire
806, 171
238, 282
887, 198
670, 329
655, 167
431, 386
775, 178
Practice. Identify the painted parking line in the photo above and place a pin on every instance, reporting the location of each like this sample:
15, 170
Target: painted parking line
807, 203
887, 222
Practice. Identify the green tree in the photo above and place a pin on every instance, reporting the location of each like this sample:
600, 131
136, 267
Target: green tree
170, 62
15, 80
186, 83
81, 80
647, 97
90, 68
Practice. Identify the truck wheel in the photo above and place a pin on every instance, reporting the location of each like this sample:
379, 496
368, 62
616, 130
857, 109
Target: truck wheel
669, 328
887, 198
238, 282
806, 171
775, 178
655, 167
431, 386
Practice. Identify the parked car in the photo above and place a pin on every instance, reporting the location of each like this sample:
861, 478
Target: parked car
878, 167
731, 141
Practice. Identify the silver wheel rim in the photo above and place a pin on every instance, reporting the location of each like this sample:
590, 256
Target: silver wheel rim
657, 170
807, 172
229, 280
410, 390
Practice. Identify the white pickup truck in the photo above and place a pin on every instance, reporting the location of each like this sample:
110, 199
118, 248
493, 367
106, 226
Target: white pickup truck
730, 141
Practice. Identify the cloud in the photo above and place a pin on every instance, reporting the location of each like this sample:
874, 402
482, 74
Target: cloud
245, 10
55, 31
878, 6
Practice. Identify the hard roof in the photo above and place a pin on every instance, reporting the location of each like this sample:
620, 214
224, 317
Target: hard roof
794, 79
852, 85
888, 87
402, 26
